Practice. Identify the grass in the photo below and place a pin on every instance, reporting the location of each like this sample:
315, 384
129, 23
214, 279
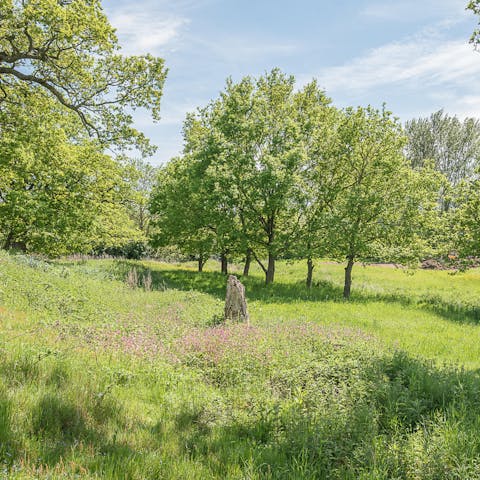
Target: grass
99, 380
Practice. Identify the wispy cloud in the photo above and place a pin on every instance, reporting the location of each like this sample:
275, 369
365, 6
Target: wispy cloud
416, 61
466, 106
246, 49
146, 30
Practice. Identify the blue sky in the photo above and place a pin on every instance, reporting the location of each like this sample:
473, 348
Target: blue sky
412, 54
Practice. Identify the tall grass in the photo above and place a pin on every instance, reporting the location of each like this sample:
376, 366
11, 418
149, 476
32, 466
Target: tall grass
99, 380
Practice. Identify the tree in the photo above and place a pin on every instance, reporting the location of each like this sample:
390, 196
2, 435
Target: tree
57, 195
260, 161
204, 147
141, 177
474, 6
239, 176
465, 220
381, 200
68, 49
179, 212
321, 177
454, 146
243, 162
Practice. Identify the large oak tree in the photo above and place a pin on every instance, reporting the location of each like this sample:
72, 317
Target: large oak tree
68, 49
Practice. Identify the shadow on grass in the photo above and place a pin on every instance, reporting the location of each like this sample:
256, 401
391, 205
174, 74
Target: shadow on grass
214, 283
61, 425
8, 446
393, 405
61, 432
404, 399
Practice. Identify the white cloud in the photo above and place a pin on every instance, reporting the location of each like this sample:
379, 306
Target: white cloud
415, 76
466, 106
146, 29
452, 102
416, 62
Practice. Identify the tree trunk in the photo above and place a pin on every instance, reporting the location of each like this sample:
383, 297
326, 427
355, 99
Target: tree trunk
224, 262
201, 263
248, 260
348, 278
8, 241
310, 267
270, 273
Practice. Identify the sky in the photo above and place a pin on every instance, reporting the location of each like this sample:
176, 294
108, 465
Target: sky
413, 55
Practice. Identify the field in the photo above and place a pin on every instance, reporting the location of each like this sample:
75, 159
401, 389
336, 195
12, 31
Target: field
100, 380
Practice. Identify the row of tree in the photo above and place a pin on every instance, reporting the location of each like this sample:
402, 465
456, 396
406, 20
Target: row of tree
269, 172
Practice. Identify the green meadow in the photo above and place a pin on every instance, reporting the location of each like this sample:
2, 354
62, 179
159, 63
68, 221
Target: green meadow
101, 380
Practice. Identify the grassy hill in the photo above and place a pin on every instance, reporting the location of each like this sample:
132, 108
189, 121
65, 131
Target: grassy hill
99, 380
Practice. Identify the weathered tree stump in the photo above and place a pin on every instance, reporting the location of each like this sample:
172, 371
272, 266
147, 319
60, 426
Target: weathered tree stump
235, 302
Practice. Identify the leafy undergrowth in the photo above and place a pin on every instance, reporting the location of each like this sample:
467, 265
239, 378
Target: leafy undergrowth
101, 381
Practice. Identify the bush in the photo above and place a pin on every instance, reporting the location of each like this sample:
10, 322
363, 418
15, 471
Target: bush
131, 251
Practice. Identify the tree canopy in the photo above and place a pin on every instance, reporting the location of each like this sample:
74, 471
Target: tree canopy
245, 156
57, 196
272, 172
69, 50
453, 145
179, 215
378, 211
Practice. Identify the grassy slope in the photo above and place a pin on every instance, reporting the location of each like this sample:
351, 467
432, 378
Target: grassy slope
100, 381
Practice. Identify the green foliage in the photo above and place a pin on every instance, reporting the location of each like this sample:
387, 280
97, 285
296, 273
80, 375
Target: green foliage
131, 250
68, 50
141, 179
180, 211
273, 172
323, 174
465, 220
261, 160
244, 157
382, 199
454, 146
58, 192
62, 79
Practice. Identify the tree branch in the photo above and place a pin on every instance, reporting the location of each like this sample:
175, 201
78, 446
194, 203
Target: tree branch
262, 266
48, 86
